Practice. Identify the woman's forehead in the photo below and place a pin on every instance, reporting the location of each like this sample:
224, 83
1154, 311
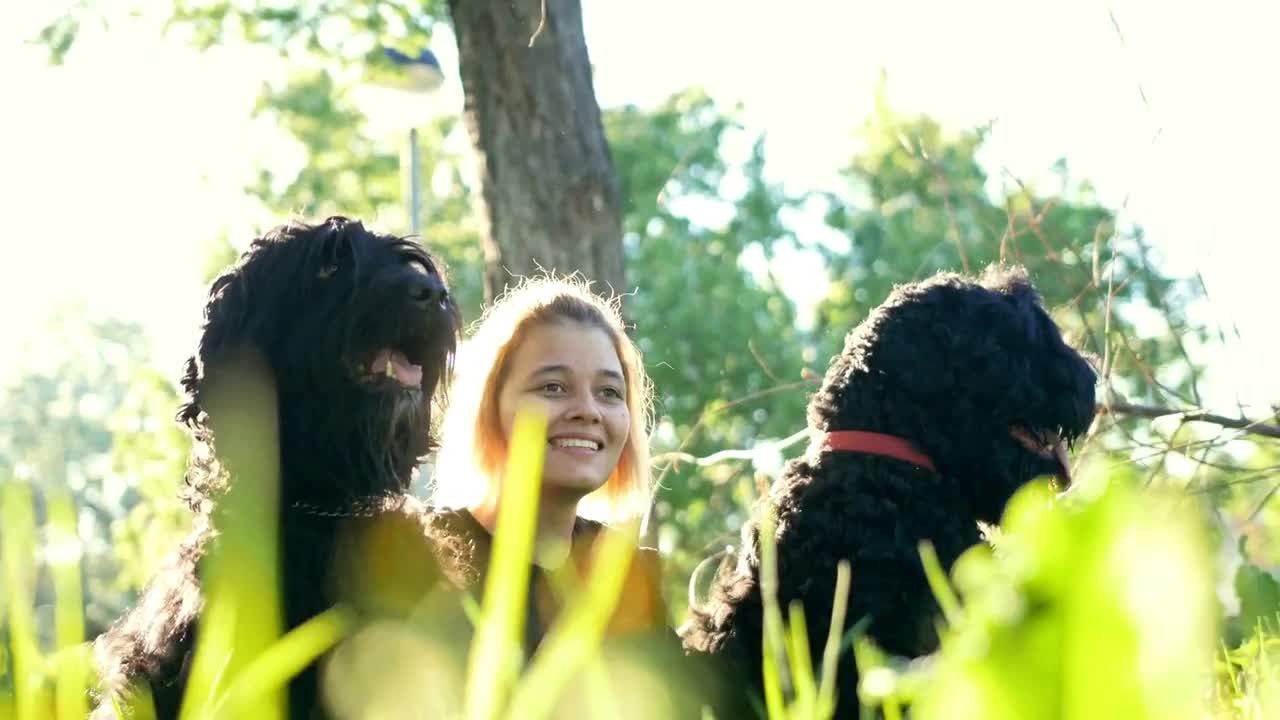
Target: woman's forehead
569, 347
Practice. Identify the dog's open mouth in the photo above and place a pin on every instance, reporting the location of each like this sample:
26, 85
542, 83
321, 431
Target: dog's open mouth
402, 349
1049, 445
397, 365
390, 364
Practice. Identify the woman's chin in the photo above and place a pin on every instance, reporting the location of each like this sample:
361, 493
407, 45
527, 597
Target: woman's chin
580, 484
568, 471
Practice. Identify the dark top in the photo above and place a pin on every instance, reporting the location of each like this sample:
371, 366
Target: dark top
465, 546
638, 634
451, 561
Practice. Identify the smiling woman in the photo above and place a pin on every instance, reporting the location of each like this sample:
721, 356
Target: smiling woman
554, 343
570, 371
554, 346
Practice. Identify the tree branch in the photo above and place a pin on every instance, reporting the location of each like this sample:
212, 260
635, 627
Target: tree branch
678, 456
1252, 427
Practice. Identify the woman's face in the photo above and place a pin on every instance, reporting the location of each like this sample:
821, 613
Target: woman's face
572, 371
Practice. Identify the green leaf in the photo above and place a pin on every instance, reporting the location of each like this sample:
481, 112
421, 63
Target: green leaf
1259, 594
495, 655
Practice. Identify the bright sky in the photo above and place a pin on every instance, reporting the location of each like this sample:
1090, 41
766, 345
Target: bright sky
119, 164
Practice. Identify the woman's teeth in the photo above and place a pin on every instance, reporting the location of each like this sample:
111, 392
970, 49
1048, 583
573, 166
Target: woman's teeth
576, 442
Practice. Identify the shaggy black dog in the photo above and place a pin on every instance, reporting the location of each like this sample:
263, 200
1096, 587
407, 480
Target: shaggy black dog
963, 391
357, 331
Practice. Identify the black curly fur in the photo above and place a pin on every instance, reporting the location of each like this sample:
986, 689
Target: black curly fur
316, 302
949, 364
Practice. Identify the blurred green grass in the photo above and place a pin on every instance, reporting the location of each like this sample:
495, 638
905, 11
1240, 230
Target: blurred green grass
1096, 605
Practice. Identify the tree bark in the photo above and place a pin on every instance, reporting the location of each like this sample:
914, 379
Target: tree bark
549, 189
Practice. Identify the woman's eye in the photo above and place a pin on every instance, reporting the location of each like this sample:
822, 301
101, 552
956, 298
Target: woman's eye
612, 393
553, 388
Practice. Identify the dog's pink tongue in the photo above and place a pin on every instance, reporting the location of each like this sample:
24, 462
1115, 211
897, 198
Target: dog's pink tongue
1064, 462
394, 362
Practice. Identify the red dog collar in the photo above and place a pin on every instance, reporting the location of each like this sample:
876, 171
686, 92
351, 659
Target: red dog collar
877, 444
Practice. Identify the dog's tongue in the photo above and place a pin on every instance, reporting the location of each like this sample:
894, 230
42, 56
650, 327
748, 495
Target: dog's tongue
395, 364
1064, 463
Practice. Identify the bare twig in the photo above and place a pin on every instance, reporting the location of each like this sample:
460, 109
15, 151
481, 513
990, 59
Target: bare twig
724, 455
1149, 373
1263, 503
1251, 427
1166, 314
542, 22
1142, 91
646, 523
953, 227
708, 413
764, 367
1245, 478
1106, 317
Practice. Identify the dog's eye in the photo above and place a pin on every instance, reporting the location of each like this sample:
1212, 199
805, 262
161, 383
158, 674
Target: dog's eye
327, 272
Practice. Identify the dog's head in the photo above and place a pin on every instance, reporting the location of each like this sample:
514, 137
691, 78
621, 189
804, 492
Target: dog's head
358, 330
974, 373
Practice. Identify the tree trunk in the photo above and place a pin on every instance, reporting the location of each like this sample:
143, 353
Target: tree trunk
549, 189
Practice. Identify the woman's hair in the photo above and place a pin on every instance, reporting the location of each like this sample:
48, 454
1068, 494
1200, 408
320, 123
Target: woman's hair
473, 450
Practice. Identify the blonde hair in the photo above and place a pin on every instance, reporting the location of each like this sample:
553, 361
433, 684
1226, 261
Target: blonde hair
473, 450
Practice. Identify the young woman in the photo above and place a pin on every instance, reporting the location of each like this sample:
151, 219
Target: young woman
555, 344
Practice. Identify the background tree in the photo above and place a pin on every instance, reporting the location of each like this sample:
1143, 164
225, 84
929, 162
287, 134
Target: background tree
548, 190
550, 195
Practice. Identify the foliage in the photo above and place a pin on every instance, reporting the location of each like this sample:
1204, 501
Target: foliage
148, 458
1094, 605
1098, 604
86, 415
350, 31
244, 662
919, 200
720, 342
346, 171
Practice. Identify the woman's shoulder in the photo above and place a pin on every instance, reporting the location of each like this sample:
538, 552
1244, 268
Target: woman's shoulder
641, 604
587, 532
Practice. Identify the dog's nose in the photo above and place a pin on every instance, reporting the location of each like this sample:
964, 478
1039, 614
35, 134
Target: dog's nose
427, 290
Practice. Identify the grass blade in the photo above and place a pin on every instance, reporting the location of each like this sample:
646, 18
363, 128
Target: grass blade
291, 654
776, 679
942, 589
831, 651
580, 631
243, 615
71, 666
495, 653
801, 661
17, 544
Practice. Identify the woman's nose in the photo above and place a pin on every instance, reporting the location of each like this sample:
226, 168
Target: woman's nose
584, 407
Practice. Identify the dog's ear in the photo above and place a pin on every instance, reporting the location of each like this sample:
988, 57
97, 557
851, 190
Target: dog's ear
224, 329
918, 351
958, 338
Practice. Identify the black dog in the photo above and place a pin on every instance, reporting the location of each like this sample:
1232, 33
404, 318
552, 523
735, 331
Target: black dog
357, 331
962, 391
